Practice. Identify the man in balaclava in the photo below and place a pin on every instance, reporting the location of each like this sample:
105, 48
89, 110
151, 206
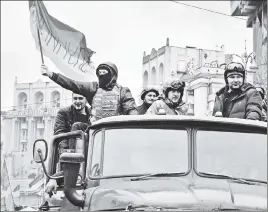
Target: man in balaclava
106, 96
148, 95
171, 101
237, 99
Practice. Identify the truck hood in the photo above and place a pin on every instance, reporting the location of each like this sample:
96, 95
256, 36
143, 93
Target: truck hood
176, 193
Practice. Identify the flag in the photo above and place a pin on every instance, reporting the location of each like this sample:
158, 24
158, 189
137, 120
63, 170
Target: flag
4, 177
6, 191
65, 46
16, 191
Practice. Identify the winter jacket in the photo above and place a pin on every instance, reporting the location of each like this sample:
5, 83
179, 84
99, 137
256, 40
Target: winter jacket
89, 89
246, 103
65, 118
142, 109
264, 109
165, 104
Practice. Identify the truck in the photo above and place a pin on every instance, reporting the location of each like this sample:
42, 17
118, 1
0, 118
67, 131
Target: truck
152, 163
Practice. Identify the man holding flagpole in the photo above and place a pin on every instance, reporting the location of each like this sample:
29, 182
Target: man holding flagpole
67, 49
106, 96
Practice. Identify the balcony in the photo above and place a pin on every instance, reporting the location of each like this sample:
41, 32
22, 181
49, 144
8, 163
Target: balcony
244, 8
40, 125
24, 126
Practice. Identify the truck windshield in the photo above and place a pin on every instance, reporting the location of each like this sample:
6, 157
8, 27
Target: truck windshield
139, 151
237, 154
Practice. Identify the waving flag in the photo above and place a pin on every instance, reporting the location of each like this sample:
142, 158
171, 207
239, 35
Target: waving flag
6, 192
65, 46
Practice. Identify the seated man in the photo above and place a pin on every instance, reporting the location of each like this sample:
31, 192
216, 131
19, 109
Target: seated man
72, 118
171, 100
237, 99
148, 96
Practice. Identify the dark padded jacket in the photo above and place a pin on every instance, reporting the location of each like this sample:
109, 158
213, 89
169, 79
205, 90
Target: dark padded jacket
65, 118
247, 104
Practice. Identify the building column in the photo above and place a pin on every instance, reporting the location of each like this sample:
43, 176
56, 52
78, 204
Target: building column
200, 100
30, 139
250, 75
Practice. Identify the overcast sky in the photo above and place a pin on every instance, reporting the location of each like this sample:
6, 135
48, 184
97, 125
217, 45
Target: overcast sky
119, 32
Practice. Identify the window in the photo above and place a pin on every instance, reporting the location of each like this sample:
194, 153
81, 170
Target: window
236, 154
24, 134
190, 92
96, 156
24, 147
210, 89
145, 151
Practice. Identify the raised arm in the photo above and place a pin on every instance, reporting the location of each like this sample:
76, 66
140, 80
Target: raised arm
82, 88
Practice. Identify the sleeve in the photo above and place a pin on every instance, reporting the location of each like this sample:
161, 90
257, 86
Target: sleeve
153, 109
254, 105
217, 106
83, 88
61, 123
61, 126
128, 103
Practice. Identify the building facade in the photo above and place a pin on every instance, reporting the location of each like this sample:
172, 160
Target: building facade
201, 68
256, 13
32, 117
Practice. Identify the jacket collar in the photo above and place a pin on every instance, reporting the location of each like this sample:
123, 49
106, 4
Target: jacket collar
243, 89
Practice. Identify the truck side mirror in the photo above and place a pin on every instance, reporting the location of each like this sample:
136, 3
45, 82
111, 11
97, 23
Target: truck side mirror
40, 150
71, 165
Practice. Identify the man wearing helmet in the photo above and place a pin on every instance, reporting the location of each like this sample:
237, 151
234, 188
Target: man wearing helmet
237, 99
106, 96
171, 101
148, 95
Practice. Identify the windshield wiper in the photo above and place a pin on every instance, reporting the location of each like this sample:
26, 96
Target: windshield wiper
240, 180
164, 174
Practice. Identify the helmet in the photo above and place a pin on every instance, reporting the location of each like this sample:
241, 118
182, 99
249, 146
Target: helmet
173, 85
236, 68
147, 90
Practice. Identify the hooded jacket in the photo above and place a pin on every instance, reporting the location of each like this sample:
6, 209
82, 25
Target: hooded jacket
246, 104
127, 103
169, 107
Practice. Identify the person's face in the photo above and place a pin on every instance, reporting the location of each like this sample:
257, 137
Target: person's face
150, 98
102, 72
235, 81
79, 102
174, 96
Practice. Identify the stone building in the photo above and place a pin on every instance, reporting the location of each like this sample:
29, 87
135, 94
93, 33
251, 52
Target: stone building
35, 106
200, 67
256, 13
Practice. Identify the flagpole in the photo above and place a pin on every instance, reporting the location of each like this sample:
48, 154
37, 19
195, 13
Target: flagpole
41, 51
9, 184
38, 33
